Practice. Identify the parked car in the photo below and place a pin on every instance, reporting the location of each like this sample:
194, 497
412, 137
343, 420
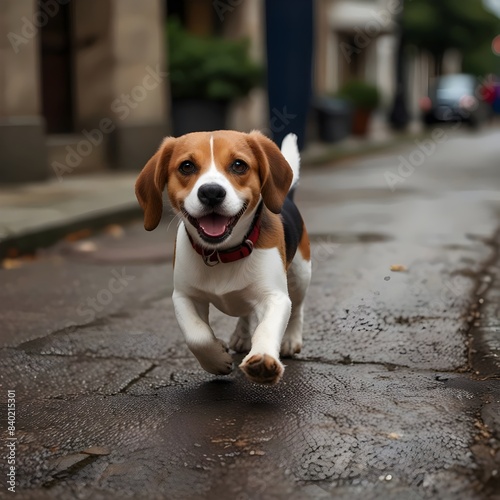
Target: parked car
455, 98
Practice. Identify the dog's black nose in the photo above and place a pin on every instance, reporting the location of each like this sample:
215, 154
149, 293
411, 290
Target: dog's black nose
211, 194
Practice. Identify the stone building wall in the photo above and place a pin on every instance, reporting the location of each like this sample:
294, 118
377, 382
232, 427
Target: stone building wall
119, 85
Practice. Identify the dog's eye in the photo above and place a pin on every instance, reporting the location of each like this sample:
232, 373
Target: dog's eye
187, 168
238, 167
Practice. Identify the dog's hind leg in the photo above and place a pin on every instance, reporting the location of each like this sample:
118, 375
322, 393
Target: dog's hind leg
299, 276
241, 339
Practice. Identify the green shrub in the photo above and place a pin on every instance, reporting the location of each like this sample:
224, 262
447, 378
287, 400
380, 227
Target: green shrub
361, 94
209, 67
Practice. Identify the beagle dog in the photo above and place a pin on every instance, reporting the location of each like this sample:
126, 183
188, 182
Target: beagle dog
241, 244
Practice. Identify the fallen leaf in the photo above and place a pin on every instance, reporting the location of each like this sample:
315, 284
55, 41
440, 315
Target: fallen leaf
114, 230
62, 464
399, 268
394, 435
78, 235
85, 246
11, 263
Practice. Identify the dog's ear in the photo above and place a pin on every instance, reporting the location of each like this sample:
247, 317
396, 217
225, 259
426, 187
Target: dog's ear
275, 173
151, 183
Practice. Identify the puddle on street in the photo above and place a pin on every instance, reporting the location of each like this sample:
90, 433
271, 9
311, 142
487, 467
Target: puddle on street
346, 238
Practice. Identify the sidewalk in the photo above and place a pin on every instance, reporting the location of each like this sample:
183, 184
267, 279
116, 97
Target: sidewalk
37, 215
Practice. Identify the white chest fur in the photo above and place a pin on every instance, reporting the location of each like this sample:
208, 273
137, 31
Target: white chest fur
234, 288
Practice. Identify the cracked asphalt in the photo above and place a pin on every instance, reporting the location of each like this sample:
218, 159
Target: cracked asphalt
396, 394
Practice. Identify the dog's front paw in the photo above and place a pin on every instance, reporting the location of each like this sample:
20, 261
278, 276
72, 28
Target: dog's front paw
215, 358
262, 369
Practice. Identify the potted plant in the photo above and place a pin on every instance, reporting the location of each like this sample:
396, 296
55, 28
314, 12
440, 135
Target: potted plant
206, 74
364, 98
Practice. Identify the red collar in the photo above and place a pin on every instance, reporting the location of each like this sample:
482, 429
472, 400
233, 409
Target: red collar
213, 257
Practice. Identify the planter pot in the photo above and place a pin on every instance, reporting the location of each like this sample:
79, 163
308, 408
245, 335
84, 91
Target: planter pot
334, 119
361, 121
198, 115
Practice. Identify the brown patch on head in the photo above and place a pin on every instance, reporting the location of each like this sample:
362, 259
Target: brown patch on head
275, 173
194, 148
230, 146
163, 170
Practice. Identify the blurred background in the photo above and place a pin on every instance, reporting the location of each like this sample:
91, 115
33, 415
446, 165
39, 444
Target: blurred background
93, 85
396, 393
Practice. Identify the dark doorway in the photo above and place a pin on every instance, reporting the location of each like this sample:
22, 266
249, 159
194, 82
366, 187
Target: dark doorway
197, 16
57, 66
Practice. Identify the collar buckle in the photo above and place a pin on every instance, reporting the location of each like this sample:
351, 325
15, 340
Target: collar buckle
249, 244
207, 258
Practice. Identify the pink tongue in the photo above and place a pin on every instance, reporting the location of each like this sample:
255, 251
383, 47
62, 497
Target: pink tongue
214, 225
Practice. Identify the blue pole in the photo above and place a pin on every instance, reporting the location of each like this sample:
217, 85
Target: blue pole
289, 32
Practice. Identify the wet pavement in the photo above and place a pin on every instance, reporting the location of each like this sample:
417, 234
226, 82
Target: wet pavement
395, 395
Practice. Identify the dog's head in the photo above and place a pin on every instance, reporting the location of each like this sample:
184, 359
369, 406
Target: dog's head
215, 181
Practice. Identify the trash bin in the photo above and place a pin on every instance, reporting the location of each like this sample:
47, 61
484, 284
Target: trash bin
334, 118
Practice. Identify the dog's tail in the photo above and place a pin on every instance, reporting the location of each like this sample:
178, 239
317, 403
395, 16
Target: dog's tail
290, 151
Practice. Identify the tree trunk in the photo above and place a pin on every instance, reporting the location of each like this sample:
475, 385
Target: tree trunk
399, 117
438, 63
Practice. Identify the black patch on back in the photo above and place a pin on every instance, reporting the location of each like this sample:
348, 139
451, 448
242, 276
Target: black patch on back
293, 227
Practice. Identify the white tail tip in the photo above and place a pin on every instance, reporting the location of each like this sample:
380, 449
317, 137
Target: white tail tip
290, 151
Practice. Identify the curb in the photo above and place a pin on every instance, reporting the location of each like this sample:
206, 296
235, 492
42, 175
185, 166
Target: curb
334, 153
29, 241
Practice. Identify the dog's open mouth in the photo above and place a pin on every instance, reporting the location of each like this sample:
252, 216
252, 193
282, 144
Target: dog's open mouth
214, 227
